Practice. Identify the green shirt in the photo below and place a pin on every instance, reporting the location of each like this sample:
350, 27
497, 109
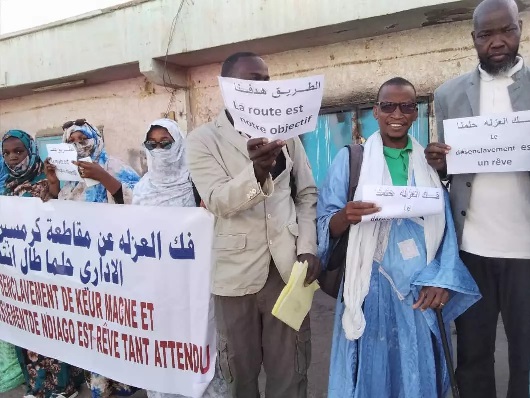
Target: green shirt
397, 161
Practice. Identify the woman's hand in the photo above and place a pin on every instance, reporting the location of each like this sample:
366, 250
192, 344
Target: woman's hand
49, 170
91, 170
98, 173
54, 185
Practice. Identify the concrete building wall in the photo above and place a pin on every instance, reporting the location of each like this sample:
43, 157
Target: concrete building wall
123, 41
355, 69
124, 108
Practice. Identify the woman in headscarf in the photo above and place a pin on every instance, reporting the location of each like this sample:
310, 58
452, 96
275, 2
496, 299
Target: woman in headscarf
106, 180
26, 174
45, 377
168, 183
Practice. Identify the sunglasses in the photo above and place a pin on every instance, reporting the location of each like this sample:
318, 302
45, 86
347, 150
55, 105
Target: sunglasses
77, 122
406, 108
150, 145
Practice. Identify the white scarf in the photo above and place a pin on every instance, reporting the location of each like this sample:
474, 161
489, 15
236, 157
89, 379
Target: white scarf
363, 238
167, 181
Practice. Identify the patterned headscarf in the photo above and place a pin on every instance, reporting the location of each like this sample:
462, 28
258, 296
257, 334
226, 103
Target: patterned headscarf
95, 149
24, 183
167, 181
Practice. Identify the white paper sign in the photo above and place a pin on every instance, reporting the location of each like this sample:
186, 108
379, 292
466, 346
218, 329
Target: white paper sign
488, 144
123, 291
278, 109
402, 202
62, 156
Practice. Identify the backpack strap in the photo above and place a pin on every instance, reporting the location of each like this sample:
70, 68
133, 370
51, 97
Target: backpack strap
356, 152
356, 161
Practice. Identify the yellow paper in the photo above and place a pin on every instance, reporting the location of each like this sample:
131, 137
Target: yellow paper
295, 300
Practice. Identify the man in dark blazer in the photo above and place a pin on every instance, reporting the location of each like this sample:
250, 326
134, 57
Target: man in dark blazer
491, 210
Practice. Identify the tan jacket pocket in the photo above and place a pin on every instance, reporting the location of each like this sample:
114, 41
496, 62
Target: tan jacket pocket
230, 242
293, 228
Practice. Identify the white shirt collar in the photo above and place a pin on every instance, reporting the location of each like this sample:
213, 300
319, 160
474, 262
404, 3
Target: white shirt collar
516, 68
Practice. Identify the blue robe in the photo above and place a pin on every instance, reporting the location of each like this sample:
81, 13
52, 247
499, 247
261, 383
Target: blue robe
400, 353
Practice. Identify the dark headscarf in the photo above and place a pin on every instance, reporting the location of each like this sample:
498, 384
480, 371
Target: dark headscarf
28, 182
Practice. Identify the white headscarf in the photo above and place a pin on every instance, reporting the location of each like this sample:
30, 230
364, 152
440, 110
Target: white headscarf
167, 181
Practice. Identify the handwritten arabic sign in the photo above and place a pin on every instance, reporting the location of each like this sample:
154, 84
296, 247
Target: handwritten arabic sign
488, 144
279, 109
62, 156
402, 202
120, 290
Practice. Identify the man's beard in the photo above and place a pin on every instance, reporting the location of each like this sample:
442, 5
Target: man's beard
496, 69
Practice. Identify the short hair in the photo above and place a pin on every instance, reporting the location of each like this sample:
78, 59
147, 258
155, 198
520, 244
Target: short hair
231, 61
395, 81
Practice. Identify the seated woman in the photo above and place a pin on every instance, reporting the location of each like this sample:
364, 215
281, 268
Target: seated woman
45, 377
168, 183
114, 182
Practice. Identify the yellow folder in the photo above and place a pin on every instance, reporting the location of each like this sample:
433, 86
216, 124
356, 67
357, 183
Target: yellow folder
295, 300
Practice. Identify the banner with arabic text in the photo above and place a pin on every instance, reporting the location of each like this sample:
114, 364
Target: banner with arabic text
123, 291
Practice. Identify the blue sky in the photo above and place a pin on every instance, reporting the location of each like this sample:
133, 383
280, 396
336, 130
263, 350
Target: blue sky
18, 15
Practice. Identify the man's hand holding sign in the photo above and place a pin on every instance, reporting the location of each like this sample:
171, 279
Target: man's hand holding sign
263, 154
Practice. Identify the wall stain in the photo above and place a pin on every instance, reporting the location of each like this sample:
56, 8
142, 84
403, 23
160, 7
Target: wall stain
379, 60
148, 89
445, 15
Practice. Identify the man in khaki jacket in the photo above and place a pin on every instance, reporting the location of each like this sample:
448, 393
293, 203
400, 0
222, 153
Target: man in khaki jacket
264, 198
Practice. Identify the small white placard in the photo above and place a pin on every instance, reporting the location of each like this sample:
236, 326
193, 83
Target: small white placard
488, 144
62, 156
278, 109
402, 202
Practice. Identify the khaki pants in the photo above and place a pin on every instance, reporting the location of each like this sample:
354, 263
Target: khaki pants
249, 336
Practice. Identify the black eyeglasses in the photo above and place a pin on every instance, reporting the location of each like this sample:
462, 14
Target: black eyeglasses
150, 145
406, 108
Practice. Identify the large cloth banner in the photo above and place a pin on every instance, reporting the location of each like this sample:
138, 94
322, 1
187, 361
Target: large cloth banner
123, 291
